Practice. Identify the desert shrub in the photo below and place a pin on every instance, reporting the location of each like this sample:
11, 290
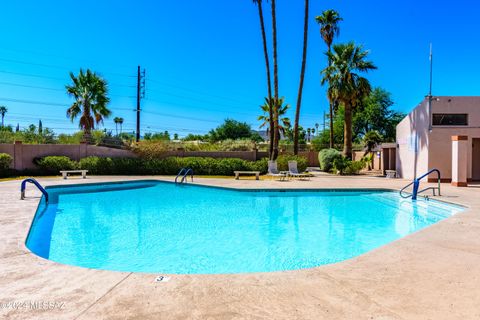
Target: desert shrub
344, 165
53, 164
151, 149
5, 161
355, 167
327, 157
237, 145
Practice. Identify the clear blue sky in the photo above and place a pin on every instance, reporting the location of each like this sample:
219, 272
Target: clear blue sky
204, 59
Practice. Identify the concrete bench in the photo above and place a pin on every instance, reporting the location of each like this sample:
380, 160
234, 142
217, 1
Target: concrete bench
390, 174
238, 173
66, 172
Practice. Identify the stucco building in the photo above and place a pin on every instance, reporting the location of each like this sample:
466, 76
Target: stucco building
424, 141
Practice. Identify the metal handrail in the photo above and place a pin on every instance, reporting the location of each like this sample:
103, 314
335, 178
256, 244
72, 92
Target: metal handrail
403, 190
35, 182
416, 184
184, 172
184, 178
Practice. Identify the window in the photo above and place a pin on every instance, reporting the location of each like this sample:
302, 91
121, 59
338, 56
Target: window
450, 119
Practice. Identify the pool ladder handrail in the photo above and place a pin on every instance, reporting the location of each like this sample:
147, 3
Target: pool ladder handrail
184, 172
416, 185
35, 182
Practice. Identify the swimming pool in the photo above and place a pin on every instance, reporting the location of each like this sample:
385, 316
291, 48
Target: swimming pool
160, 227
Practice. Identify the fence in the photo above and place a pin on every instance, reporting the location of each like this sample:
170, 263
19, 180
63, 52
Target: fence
24, 154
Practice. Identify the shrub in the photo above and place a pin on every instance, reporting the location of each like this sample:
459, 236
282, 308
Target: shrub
169, 166
282, 162
327, 157
343, 165
53, 164
5, 161
97, 165
355, 167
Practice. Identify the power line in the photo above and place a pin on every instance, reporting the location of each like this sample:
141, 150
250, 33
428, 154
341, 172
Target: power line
58, 67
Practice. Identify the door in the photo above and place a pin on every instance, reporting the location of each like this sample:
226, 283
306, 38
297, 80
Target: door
476, 159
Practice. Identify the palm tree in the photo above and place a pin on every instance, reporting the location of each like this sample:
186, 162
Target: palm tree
276, 105
267, 64
345, 84
3, 111
309, 131
120, 121
302, 77
117, 121
284, 122
329, 29
90, 93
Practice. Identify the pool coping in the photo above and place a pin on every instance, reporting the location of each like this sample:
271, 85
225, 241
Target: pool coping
382, 306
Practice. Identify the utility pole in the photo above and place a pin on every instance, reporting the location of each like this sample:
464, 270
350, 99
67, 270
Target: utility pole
140, 95
430, 90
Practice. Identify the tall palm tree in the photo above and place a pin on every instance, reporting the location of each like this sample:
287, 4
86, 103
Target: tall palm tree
3, 111
276, 135
302, 77
259, 4
284, 122
345, 84
116, 120
120, 121
329, 29
90, 92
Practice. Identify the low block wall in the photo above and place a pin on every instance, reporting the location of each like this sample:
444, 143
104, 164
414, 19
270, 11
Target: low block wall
24, 154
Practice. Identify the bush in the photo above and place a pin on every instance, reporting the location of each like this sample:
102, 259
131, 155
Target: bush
169, 166
5, 161
346, 166
54, 164
327, 157
282, 162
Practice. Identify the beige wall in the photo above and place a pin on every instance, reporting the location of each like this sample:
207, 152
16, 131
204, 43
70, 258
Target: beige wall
436, 146
24, 154
413, 127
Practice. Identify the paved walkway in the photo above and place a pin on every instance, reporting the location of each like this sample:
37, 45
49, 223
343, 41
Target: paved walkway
431, 274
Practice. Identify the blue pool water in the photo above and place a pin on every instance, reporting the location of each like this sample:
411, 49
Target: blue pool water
159, 227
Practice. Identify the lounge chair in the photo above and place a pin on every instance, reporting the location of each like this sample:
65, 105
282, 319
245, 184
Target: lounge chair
273, 171
293, 171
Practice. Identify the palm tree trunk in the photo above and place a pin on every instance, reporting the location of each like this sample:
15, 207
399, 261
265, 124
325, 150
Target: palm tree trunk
347, 137
2, 118
116, 128
276, 135
330, 103
269, 81
302, 77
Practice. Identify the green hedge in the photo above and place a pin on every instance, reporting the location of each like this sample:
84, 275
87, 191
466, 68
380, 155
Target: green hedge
53, 164
167, 166
5, 161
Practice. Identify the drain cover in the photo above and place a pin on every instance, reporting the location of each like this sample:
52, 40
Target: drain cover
162, 279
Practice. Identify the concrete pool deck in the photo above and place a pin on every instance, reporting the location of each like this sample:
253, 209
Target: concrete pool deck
431, 274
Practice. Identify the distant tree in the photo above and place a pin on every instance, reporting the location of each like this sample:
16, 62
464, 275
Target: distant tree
375, 113
17, 129
175, 136
329, 22
284, 122
90, 92
158, 136
195, 137
345, 84
40, 127
3, 111
371, 140
231, 129
118, 121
